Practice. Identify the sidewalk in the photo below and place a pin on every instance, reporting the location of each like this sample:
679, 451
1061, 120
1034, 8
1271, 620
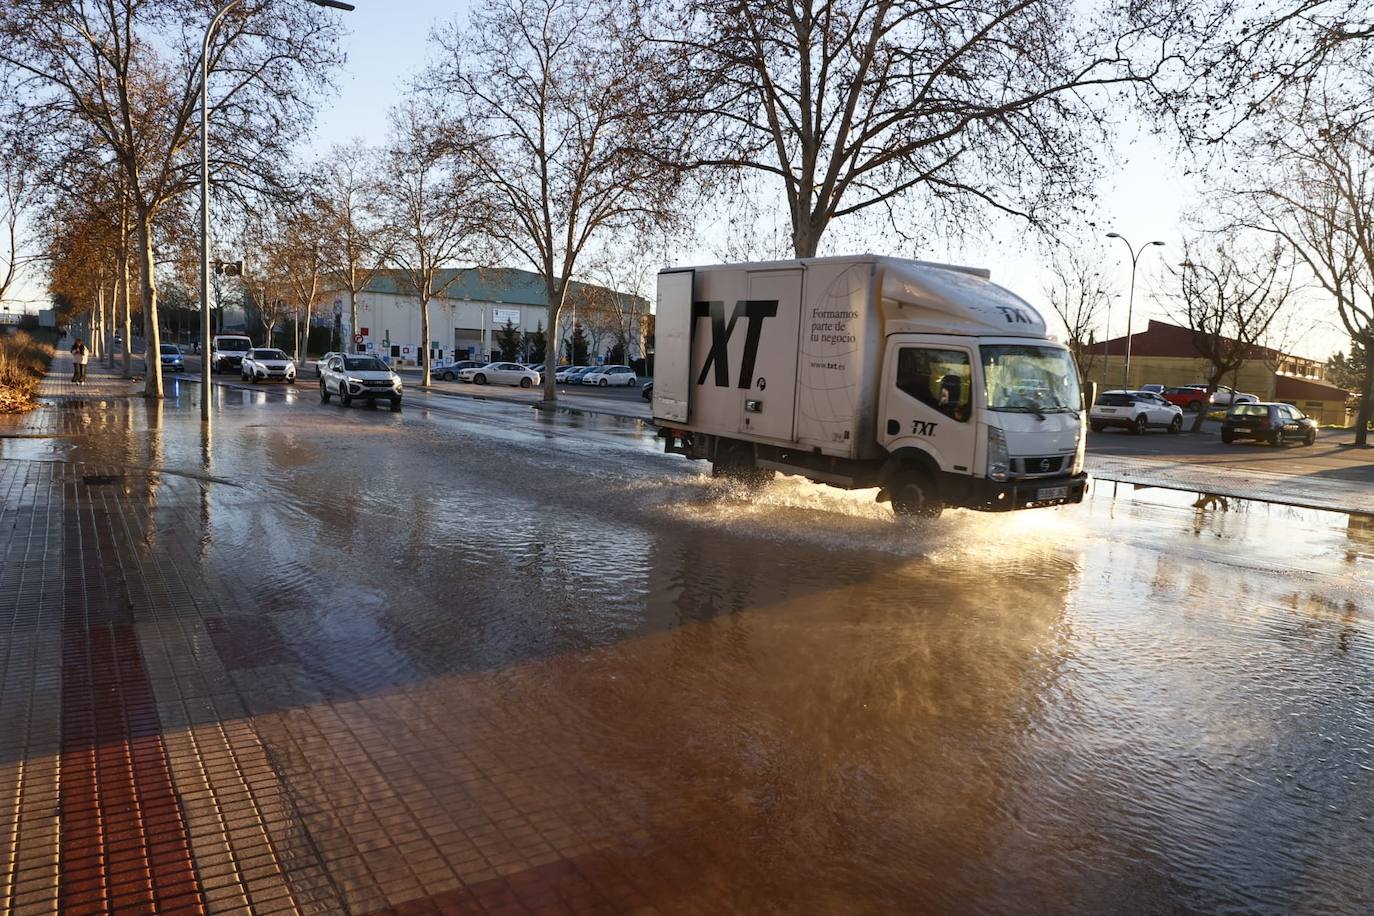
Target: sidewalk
57, 389
185, 728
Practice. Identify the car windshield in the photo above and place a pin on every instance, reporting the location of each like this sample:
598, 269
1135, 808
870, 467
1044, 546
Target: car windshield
169, 348
1250, 410
232, 344
365, 364
268, 354
1029, 379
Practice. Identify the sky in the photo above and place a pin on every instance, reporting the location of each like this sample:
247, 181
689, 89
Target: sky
1143, 197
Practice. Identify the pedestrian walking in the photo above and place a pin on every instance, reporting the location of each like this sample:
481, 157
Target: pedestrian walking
79, 357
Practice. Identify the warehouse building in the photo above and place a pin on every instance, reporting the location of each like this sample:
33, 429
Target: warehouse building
466, 318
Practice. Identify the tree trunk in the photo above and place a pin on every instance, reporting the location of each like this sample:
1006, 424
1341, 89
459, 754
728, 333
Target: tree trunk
1212, 382
1366, 401
554, 303
152, 360
127, 318
424, 338
806, 234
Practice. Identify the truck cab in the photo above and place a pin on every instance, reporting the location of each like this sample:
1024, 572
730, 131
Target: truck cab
926, 381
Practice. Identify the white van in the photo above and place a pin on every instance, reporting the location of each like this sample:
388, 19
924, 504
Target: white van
227, 351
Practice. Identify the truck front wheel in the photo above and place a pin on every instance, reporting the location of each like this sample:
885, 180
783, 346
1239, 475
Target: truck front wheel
734, 462
914, 495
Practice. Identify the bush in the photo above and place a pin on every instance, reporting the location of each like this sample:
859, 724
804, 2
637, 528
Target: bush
23, 361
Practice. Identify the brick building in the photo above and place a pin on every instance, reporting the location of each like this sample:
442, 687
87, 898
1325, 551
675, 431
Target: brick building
1165, 354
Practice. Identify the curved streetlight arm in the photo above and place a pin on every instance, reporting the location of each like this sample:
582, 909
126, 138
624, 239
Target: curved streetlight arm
1130, 302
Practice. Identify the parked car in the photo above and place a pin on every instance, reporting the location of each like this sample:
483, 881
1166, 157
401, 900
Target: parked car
605, 376
450, 372
1153, 389
227, 351
569, 375
500, 374
267, 365
1277, 424
535, 367
1188, 397
1136, 411
360, 376
1225, 396
171, 357
647, 391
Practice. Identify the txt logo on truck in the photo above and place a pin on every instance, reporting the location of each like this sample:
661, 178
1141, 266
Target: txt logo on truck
754, 311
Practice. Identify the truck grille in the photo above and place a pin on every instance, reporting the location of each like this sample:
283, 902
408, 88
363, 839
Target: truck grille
1048, 464
376, 383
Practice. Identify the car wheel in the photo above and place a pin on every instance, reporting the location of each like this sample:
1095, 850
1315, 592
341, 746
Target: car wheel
290, 381
1176, 425
1227, 437
1097, 427
1310, 438
395, 404
324, 393
1278, 440
480, 378
1195, 406
1139, 426
525, 383
344, 399
913, 495
605, 383
447, 376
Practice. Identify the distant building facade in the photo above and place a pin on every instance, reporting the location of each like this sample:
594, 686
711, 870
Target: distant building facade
465, 320
1165, 354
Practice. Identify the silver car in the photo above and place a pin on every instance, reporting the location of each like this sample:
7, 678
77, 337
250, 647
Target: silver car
500, 374
267, 365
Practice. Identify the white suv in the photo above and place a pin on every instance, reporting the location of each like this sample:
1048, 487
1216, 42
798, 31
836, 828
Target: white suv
1136, 411
359, 376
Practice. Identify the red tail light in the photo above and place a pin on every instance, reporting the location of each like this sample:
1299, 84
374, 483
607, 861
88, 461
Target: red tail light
1263, 424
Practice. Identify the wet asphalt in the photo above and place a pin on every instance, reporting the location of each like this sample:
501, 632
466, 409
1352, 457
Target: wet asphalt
1150, 702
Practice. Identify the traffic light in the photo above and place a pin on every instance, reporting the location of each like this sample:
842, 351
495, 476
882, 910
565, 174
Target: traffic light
229, 268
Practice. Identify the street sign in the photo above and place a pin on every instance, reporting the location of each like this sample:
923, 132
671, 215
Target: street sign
357, 338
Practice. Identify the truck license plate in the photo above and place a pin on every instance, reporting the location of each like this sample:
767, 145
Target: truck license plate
1052, 493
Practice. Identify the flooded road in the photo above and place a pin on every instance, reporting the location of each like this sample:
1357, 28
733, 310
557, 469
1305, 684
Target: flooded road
539, 624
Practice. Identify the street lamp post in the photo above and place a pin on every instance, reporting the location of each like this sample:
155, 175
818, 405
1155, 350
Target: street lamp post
205, 194
1130, 302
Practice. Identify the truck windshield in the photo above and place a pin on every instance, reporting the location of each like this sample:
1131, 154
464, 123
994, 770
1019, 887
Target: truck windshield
1029, 379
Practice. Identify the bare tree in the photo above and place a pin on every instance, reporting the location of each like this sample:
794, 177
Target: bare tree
1313, 186
1229, 302
556, 94
433, 213
355, 244
19, 192
1081, 296
851, 104
125, 71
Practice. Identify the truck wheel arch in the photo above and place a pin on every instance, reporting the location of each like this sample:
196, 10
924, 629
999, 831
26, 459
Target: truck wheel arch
903, 459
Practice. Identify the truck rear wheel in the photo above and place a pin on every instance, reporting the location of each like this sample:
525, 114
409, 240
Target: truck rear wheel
914, 495
734, 462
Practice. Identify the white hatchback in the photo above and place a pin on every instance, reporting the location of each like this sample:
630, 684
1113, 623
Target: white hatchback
605, 376
500, 374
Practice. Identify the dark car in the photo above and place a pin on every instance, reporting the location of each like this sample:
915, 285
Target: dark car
647, 391
450, 372
1277, 424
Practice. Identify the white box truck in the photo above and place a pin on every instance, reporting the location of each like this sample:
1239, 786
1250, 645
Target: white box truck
925, 380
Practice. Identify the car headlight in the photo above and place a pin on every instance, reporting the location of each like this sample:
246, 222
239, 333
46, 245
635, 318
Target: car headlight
999, 459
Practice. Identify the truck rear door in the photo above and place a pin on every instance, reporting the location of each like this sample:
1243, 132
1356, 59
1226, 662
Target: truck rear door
673, 352
767, 342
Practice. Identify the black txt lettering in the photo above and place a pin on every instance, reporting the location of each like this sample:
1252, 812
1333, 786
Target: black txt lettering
1014, 315
754, 311
923, 428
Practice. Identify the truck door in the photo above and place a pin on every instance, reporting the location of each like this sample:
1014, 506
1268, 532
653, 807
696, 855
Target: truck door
927, 402
767, 375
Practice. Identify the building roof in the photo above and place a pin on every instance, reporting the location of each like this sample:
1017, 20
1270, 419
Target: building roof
1163, 339
505, 285
1288, 388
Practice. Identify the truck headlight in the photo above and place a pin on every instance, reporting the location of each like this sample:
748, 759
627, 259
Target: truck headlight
1080, 451
999, 460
